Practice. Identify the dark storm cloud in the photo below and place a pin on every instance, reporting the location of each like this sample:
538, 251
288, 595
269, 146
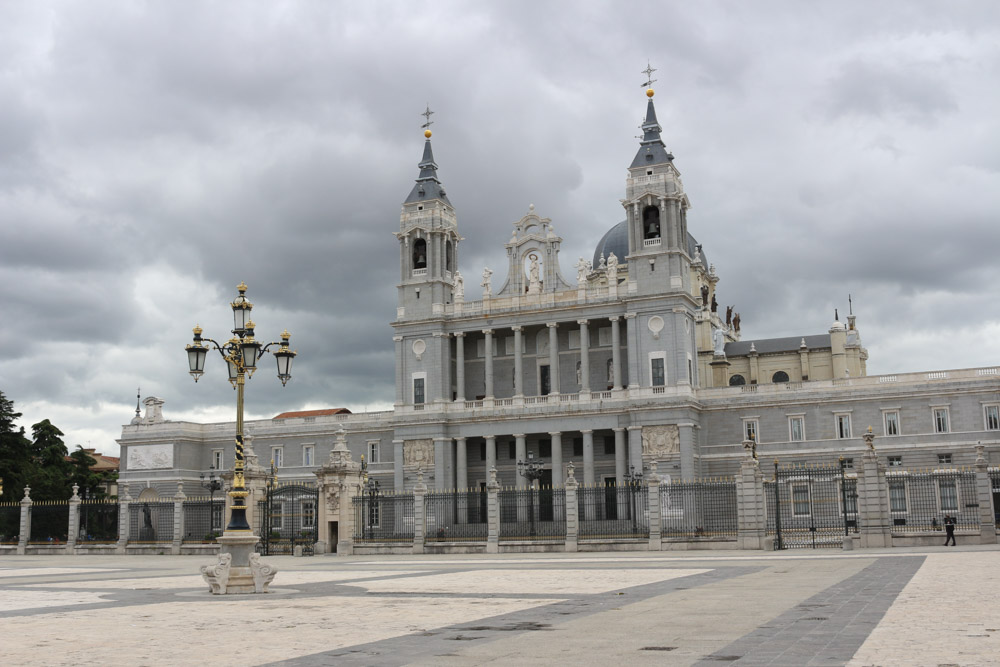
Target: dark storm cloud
154, 155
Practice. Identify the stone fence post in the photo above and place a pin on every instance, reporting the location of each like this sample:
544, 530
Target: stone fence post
572, 510
25, 528
123, 518
73, 529
655, 520
493, 513
419, 512
984, 491
179, 498
873, 499
751, 515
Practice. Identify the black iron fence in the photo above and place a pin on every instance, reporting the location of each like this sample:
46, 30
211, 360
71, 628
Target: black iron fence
919, 501
288, 517
532, 514
700, 509
151, 522
203, 519
455, 516
383, 518
98, 521
811, 506
995, 489
10, 522
49, 522
613, 511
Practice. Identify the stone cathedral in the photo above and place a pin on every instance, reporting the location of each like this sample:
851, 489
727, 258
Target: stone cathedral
625, 362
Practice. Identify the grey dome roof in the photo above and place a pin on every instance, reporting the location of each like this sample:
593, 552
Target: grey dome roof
616, 241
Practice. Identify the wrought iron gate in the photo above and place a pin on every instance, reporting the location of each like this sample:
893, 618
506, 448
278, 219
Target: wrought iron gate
288, 518
811, 506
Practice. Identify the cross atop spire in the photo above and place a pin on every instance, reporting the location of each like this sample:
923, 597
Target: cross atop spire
427, 117
649, 76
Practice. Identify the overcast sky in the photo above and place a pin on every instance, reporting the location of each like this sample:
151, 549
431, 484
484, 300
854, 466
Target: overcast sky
155, 154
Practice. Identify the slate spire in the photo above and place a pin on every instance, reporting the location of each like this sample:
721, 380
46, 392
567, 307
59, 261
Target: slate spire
651, 148
427, 186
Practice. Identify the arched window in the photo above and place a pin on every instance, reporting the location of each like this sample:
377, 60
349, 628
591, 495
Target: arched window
448, 261
780, 376
737, 381
651, 222
420, 254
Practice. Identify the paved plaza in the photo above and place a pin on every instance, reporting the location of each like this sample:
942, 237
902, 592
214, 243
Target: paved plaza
894, 607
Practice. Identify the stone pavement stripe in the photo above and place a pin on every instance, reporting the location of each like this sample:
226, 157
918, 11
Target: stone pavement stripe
442, 641
829, 627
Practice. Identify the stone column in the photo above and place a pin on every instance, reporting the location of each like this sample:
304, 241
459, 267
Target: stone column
553, 358
123, 518
74, 520
557, 458
616, 353
489, 363
518, 361
179, 498
687, 446
398, 480
419, 516
751, 515
619, 455
632, 346
492, 512
873, 500
655, 520
572, 513
984, 491
635, 447
521, 454
491, 452
462, 478
460, 367
399, 370
440, 459
588, 456
25, 527
584, 358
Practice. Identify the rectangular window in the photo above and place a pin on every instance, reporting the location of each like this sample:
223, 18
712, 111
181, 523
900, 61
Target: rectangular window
895, 461
940, 420
796, 429
891, 421
577, 447
374, 512
545, 449
848, 464
277, 456
800, 499
277, 515
573, 341
843, 426
944, 459
897, 495
949, 495
604, 336
373, 451
217, 459
657, 375
308, 455
609, 445
849, 492
992, 413
418, 391
508, 345
309, 514
750, 430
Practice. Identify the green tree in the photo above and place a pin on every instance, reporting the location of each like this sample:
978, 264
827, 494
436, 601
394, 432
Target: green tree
51, 472
15, 452
85, 478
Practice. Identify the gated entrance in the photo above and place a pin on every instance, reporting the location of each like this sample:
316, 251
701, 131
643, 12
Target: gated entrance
288, 519
811, 506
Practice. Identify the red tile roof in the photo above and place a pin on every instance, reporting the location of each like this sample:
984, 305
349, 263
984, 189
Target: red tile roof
314, 413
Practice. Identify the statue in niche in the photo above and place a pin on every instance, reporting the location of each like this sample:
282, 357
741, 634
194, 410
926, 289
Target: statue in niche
704, 296
611, 373
459, 287
715, 304
582, 269
487, 283
612, 269
729, 316
736, 322
719, 342
534, 280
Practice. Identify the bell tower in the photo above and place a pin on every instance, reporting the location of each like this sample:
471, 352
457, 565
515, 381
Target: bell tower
428, 242
656, 209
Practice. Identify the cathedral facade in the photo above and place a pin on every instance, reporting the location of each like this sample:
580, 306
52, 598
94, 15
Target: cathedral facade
626, 362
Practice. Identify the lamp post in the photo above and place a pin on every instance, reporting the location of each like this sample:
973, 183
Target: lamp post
633, 480
240, 353
370, 489
213, 484
269, 486
531, 470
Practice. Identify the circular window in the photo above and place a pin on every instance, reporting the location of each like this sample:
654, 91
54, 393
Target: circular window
737, 380
780, 376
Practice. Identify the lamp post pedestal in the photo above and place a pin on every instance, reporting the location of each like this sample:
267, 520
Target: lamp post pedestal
239, 569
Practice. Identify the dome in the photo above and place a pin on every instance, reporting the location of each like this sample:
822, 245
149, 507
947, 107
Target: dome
616, 241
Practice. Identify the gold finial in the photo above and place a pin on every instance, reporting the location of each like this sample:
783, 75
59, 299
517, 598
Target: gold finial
869, 428
197, 330
250, 324
242, 287
285, 334
650, 92
427, 133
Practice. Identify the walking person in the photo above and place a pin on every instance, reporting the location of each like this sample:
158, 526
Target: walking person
949, 528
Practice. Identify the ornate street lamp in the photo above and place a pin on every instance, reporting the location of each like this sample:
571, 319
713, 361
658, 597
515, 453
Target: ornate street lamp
531, 470
370, 490
240, 353
213, 484
633, 481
